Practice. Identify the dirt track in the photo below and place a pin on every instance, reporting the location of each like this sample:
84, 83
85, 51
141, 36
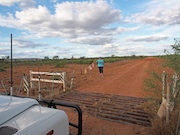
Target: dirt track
122, 78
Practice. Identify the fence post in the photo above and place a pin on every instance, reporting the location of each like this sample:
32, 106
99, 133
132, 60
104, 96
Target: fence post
177, 126
39, 88
64, 81
72, 80
163, 84
31, 82
168, 103
26, 85
175, 80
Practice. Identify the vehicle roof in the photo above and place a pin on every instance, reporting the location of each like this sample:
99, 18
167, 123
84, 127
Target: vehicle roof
11, 106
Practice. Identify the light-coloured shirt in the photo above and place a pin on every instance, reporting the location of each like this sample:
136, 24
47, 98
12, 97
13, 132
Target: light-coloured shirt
100, 62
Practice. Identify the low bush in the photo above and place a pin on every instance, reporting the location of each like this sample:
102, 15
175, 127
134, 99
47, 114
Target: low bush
153, 85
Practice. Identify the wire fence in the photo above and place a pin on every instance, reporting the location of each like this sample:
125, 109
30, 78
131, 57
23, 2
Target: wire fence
169, 95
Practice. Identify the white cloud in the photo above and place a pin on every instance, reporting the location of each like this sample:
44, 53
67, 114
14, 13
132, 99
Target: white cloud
4, 52
93, 40
33, 16
33, 51
71, 19
9, 2
151, 38
54, 1
86, 15
27, 4
27, 44
22, 3
9, 21
88, 28
158, 13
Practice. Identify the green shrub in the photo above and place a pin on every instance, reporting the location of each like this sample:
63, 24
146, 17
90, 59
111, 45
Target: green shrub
60, 64
154, 86
173, 60
4, 64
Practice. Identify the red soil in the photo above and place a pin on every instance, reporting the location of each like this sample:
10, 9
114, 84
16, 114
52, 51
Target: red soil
123, 78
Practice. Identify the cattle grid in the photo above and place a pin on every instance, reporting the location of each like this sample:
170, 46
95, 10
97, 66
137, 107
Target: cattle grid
116, 108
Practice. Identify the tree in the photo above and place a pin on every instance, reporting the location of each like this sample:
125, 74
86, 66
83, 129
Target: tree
83, 57
55, 57
46, 57
176, 46
133, 55
113, 56
7, 57
173, 60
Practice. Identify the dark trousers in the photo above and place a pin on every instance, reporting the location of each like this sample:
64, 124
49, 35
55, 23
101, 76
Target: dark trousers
100, 69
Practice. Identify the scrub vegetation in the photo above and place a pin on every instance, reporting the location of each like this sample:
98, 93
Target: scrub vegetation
6, 63
153, 85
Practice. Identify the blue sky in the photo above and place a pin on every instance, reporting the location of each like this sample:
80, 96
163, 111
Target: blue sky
89, 28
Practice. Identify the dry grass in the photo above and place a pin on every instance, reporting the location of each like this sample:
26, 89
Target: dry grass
153, 85
160, 127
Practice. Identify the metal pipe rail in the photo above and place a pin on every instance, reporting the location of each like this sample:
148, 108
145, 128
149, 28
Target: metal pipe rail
53, 104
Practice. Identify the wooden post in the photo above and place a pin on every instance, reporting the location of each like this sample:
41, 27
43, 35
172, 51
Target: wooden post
72, 80
163, 84
177, 126
168, 103
26, 85
175, 80
31, 82
39, 87
64, 81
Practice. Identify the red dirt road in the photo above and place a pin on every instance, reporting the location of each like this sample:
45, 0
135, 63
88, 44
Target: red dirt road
122, 78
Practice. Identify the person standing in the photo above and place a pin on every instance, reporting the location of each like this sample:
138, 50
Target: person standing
100, 64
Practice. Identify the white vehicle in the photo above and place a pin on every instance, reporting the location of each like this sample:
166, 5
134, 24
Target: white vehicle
25, 116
